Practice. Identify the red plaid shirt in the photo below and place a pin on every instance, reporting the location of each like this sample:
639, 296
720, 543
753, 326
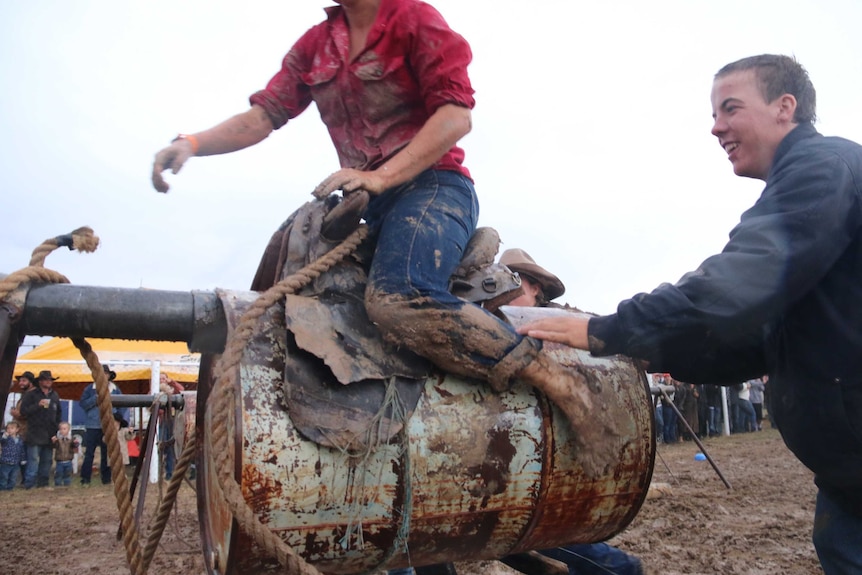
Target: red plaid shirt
412, 64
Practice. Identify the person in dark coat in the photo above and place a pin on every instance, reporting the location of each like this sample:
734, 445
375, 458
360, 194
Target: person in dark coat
783, 298
41, 407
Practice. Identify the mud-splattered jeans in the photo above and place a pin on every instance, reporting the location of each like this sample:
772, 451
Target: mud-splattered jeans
421, 230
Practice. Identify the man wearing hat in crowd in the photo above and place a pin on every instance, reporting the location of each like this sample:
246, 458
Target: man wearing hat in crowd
26, 381
93, 436
41, 408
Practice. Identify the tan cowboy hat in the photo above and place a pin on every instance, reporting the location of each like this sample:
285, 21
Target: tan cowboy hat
520, 261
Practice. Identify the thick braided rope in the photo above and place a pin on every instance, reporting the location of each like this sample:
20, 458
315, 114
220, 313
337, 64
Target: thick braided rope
81, 239
35, 275
167, 503
120, 482
223, 398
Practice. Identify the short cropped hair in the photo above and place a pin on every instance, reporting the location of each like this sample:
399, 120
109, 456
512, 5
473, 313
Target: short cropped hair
779, 75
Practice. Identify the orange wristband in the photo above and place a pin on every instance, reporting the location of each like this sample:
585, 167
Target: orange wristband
192, 140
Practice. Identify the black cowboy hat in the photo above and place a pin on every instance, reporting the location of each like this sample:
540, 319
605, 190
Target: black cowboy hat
46, 374
27, 375
112, 375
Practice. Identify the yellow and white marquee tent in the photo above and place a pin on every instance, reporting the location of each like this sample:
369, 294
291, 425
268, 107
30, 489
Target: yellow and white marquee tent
134, 362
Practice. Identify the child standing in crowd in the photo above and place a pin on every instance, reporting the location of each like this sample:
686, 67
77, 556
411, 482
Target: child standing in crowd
65, 448
12, 454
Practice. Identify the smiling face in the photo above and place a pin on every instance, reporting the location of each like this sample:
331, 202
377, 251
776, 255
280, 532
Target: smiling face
748, 127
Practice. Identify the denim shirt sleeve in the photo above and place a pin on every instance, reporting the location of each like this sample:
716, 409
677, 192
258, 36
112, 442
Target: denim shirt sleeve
88, 398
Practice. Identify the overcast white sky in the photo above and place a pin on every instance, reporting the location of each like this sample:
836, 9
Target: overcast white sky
590, 145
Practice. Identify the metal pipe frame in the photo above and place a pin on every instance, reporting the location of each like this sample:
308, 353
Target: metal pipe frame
65, 310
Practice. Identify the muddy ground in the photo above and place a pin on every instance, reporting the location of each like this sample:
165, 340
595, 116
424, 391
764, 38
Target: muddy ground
761, 526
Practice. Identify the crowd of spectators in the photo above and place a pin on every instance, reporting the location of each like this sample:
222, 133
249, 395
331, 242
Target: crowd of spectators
36, 444
685, 408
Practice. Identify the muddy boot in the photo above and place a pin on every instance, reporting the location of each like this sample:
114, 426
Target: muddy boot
581, 402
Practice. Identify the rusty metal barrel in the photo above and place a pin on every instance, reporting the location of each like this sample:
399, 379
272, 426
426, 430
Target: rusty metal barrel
476, 474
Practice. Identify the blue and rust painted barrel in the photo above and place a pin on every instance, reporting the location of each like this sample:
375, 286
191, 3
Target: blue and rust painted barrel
474, 475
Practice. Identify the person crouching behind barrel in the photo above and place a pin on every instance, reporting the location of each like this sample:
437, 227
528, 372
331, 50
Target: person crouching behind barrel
540, 287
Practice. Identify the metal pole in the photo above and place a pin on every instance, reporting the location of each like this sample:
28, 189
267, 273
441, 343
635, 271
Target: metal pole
145, 400
695, 438
67, 310
155, 372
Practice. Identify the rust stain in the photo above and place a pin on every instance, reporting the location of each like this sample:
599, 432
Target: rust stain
260, 490
479, 474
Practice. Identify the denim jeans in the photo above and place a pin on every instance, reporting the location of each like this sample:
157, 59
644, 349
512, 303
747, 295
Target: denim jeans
8, 476
38, 465
63, 473
714, 420
595, 559
587, 559
421, 230
669, 418
747, 417
837, 537
92, 440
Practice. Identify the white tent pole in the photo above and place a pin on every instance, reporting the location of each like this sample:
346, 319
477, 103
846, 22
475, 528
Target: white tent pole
724, 410
155, 372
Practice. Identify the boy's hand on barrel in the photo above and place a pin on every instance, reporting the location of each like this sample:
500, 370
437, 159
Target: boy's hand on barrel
570, 330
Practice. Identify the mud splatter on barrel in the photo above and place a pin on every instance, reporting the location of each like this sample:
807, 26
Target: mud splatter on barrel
473, 475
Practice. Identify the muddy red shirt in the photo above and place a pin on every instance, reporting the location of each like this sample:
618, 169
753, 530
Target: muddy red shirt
412, 64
